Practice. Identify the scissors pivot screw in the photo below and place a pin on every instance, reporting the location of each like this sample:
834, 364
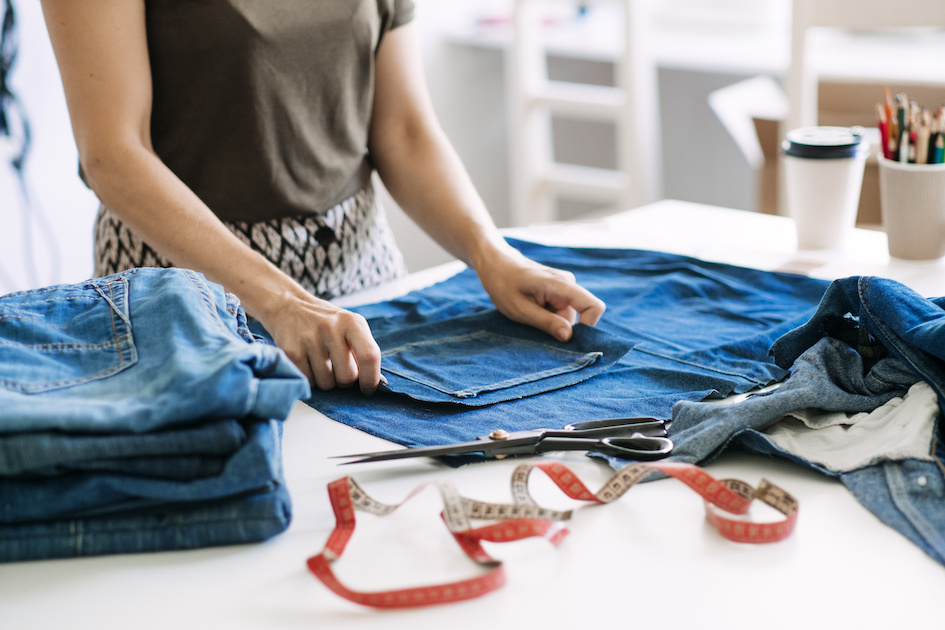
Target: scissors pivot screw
499, 434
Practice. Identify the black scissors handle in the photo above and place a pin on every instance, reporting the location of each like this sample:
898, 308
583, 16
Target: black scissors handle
636, 446
612, 428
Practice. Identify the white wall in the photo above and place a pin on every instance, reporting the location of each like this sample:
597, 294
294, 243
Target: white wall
59, 200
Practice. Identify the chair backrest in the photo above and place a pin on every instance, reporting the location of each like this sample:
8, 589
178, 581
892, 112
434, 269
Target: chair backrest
852, 14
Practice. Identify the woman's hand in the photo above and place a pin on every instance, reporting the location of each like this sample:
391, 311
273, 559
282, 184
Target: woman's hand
331, 346
531, 293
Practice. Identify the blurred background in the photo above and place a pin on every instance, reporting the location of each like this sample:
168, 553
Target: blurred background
718, 71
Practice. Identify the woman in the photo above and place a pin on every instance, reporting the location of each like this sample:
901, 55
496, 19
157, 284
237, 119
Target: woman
215, 132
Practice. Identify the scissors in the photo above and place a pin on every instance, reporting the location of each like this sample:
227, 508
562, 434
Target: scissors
642, 439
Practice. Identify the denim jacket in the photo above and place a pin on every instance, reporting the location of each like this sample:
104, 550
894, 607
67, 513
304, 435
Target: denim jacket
869, 341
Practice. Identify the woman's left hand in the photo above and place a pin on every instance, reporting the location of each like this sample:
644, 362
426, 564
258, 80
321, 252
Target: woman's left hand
531, 293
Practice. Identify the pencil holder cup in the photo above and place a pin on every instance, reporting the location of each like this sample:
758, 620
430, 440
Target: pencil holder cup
912, 201
823, 168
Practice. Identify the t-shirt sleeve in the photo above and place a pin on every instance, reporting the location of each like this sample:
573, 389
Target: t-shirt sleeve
403, 13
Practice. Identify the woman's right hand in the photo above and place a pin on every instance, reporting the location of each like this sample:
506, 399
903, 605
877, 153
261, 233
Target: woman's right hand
331, 346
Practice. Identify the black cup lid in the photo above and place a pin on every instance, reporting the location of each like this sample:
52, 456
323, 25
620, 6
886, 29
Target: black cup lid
825, 143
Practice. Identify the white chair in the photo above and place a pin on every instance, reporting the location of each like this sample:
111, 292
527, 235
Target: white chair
632, 105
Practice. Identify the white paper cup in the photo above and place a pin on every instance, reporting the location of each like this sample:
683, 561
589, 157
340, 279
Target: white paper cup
912, 200
823, 171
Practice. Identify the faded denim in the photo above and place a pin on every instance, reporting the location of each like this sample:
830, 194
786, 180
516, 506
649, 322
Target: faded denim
135, 416
139, 351
891, 338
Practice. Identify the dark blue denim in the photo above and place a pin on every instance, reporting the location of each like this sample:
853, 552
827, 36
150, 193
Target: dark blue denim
698, 330
891, 338
486, 359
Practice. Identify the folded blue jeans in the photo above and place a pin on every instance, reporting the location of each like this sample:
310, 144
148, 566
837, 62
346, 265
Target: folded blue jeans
240, 519
143, 350
137, 413
254, 467
183, 453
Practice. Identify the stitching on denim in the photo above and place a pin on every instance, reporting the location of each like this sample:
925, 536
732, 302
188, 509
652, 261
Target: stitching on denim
900, 496
204, 291
111, 313
588, 359
479, 334
471, 392
76, 533
122, 341
698, 365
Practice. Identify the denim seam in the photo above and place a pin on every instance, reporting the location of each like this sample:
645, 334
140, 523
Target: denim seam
122, 340
476, 335
76, 532
207, 299
900, 496
471, 392
698, 365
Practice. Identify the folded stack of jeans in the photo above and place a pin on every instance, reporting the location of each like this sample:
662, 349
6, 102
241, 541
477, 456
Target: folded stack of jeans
138, 413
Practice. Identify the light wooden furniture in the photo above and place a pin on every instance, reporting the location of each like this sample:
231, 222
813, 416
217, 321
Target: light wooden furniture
632, 104
845, 14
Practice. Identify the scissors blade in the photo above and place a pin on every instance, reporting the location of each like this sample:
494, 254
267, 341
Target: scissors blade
513, 445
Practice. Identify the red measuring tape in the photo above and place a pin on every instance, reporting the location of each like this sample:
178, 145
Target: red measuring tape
526, 519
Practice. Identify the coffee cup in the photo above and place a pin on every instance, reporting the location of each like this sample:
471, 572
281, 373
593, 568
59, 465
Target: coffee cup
823, 170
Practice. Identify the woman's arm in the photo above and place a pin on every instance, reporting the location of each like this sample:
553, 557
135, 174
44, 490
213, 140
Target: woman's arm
425, 176
101, 48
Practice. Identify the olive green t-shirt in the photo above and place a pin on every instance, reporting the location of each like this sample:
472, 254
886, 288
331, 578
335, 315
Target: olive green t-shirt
262, 107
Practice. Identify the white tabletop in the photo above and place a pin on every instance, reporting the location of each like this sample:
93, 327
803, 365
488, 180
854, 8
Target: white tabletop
647, 559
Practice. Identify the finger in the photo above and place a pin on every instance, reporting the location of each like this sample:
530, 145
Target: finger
589, 307
545, 320
344, 367
322, 370
301, 361
368, 355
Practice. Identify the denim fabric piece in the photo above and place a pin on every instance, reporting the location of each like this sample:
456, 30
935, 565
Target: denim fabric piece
700, 330
906, 494
909, 326
254, 467
139, 351
484, 359
50, 453
236, 520
133, 417
829, 376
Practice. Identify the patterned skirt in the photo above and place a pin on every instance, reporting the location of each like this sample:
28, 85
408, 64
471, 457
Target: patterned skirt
344, 250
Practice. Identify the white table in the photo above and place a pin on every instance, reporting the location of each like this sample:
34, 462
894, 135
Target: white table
649, 559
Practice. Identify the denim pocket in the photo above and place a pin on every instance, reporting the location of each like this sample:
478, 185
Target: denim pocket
485, 359
63, 336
